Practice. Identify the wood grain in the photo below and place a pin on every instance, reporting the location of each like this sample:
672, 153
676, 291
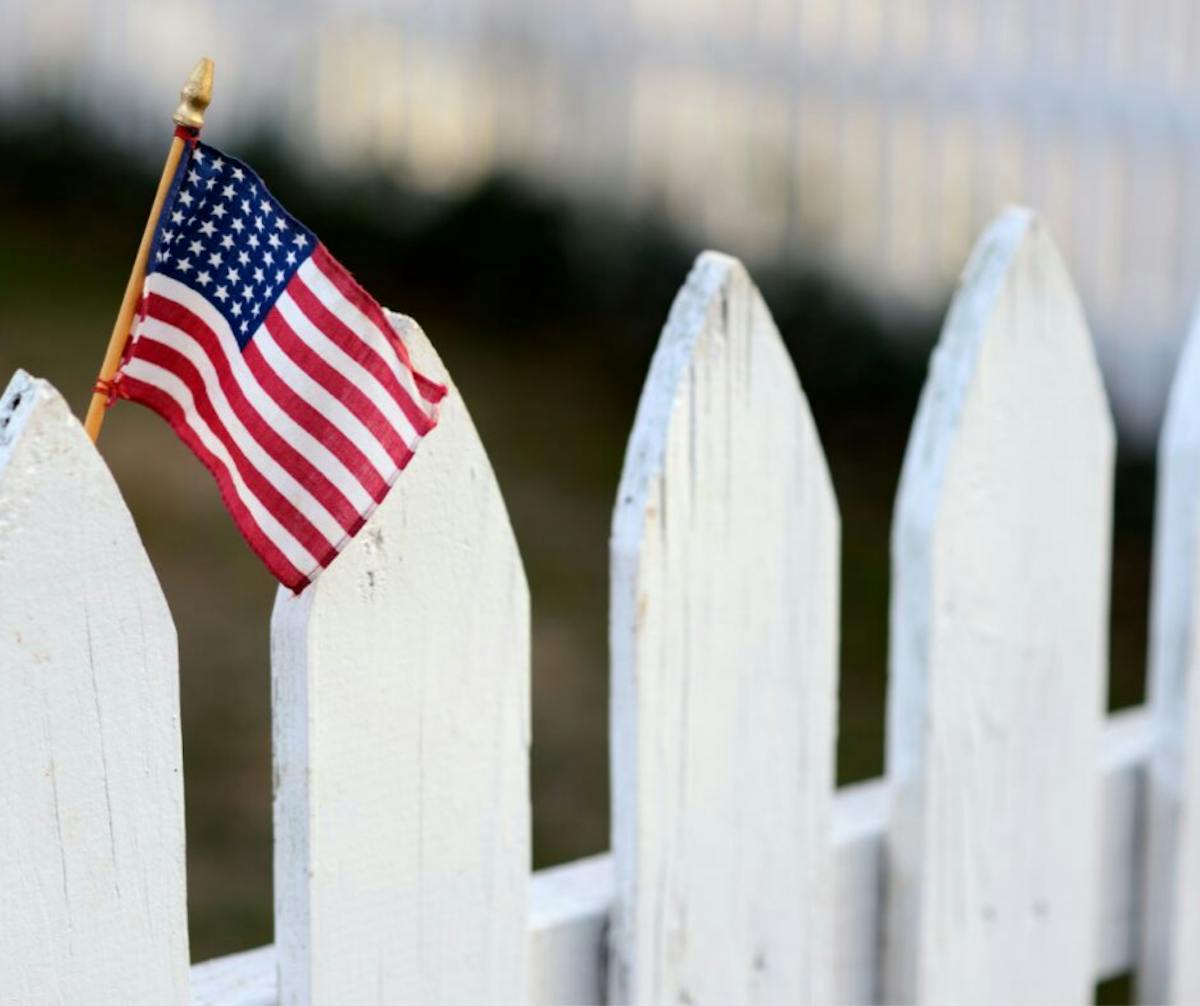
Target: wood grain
93, 905
723, 635
401, 724
999, 627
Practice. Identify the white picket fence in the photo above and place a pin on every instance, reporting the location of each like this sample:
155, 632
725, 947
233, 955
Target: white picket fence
1022, 846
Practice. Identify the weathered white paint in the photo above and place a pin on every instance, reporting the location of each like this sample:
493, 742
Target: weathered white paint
568, 928
246, 979
569, 905
92, 899
1170, 962
723, 637
401, 722
999, 640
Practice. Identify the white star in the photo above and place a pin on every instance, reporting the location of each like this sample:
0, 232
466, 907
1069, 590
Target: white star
161, 256
209, 183
183, 266
199, 155
177, 217
218, 164
258, 275
238, 175
214, 259
279, 224
193, 177
195, 247
231, 274
222, 294
257, 305
274, 241
236, 309
227, 192
168, 236
299, 240
226, 241
258, 223
207, 228
246, 206
268, 258
291, 258
242, 327
253, 241
185, 198
203, 278
278, 275
247, 292
265, 207
238, 226
244, 257
218, 211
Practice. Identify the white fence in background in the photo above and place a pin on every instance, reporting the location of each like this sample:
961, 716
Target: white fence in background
874, 138
1022, 845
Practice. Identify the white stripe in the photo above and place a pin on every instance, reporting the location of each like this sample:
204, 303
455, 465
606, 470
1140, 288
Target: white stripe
349, 368
332, 408
283, 539
268, 467
326, 291
323, 458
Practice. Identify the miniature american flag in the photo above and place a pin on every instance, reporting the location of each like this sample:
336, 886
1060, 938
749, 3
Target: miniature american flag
273, 365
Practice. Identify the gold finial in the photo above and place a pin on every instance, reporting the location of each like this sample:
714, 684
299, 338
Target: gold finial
195, 95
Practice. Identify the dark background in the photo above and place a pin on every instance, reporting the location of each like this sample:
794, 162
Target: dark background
546, 314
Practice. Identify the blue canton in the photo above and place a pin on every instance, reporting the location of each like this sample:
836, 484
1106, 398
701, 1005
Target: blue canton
224, 235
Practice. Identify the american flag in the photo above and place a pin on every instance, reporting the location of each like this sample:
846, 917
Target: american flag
273, 365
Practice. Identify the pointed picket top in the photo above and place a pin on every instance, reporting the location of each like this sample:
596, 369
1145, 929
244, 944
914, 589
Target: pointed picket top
91, 833
723, 636
1169, 970
1000, 555
401, 724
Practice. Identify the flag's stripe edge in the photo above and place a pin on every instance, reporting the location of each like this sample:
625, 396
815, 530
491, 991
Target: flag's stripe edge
325, 403
340, 277
358, 337
338, 387
150, 393
334, 456
244, 429
355, 375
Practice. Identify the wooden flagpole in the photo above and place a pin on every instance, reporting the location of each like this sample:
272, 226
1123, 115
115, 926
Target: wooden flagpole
194, 99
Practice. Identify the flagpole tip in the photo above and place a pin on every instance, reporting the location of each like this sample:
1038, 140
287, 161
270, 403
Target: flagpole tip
195, 95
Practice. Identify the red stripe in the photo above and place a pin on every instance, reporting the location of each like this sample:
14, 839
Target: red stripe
288, 399
348, 286
359, 350
332, 381
291, 460
166, 406
431, 391
279, 506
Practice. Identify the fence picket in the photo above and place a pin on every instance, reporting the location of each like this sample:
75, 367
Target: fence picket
999, 635
725, 550
1169, 968
91, 833
401, 722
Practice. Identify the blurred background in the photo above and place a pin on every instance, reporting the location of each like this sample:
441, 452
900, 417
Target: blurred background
531, 180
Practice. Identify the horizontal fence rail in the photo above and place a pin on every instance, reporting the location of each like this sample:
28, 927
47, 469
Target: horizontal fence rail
570, 904
1021, 846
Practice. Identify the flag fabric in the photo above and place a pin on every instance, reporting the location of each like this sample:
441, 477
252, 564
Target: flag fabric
273, 365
